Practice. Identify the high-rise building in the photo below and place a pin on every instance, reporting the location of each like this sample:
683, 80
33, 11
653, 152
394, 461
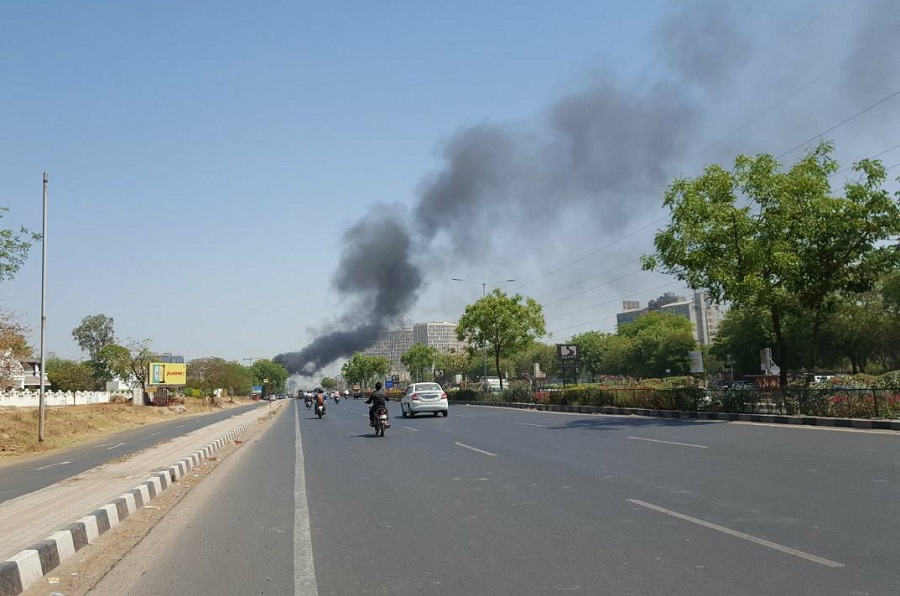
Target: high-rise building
704, 315
441, 336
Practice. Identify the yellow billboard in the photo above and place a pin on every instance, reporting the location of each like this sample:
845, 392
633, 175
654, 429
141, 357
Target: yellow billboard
167, 373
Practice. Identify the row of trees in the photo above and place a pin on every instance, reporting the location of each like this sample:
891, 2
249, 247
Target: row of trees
107, 359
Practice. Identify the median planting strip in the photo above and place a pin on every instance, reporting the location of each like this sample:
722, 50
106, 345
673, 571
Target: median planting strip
27, 566
798, 420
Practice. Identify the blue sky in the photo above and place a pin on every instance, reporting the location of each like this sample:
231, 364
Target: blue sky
206, 158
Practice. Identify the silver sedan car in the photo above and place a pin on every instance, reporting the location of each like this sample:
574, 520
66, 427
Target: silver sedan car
423, 397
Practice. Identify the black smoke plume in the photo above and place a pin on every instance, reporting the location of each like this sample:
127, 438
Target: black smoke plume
605, 149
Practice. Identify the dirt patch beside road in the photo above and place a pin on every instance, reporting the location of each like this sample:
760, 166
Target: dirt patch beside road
67, 426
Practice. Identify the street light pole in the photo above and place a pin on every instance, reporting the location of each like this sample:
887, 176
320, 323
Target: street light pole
43, 315
484, 285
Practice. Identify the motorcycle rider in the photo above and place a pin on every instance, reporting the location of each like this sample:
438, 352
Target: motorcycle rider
320, 399
378, 399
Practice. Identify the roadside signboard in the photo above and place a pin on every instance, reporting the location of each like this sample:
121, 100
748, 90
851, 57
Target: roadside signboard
568, 354
167, 373
389, 384
257, 389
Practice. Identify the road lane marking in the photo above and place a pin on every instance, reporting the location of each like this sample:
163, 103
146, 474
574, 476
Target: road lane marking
669, 442
304, 570
156, 433
529, 424
476, 449
180, 425
102, 444
736, 534
461, 416
62, 463
114, 446
411, 428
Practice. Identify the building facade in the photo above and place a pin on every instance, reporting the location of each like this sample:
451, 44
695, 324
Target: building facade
394, 343
441, 336
704, 315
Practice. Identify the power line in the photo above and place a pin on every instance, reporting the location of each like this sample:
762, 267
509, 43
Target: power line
593, 306
841, 123
578, 283
593, 288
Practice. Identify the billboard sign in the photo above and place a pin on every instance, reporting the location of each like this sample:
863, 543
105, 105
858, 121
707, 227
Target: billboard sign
167, 373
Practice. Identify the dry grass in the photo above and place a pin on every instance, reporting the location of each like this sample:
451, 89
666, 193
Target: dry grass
65, 426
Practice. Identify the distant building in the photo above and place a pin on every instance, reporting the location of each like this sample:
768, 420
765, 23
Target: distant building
441, 336
393, 344
704, 315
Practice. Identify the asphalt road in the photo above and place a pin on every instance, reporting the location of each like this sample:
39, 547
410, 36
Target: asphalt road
34, 473
499, 501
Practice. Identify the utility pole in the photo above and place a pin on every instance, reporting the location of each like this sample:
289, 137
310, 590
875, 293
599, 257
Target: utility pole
43, 314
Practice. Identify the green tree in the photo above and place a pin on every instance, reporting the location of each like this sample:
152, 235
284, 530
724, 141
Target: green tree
270, 374
503, 324
857, 329
14, 247
778, 240
419, 359
328, 383
69, 375
659, 344
213, 373
93, 333
363, 368
130, 362
591, 346
542, 353
457, 363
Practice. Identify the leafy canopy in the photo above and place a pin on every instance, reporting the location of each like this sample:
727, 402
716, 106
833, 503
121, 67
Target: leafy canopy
503, 324
419, 359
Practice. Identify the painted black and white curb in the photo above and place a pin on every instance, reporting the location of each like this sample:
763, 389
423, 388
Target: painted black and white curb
28, 566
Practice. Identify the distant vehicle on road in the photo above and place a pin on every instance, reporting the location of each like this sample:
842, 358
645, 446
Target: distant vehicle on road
424, 397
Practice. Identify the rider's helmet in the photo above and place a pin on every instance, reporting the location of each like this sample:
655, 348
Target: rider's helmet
346, 392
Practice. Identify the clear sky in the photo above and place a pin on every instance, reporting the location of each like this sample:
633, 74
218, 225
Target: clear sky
207, 158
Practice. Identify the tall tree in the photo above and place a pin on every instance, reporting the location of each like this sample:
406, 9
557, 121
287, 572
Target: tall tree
130, 362
94, 332
659, 344
14, 247
778, 240
363, 368
418, 359
69, 375
590, 351
505, 324
328, 383
270, 374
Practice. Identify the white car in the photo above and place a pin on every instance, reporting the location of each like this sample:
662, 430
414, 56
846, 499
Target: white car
423, 397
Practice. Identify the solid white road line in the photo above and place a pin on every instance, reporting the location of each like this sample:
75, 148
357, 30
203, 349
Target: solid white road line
476, 449
736, 534
411, 428
114, 446
669, 442
62, 463
529, 424
304, 569
461, 416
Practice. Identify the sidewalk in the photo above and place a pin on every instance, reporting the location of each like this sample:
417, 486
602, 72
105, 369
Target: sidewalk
31, 518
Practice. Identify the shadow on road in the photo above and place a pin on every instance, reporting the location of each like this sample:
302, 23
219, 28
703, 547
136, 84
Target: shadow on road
624, 422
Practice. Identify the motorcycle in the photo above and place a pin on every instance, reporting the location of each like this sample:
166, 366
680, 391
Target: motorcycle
320, 410
381, 421
337, 399
308, 403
